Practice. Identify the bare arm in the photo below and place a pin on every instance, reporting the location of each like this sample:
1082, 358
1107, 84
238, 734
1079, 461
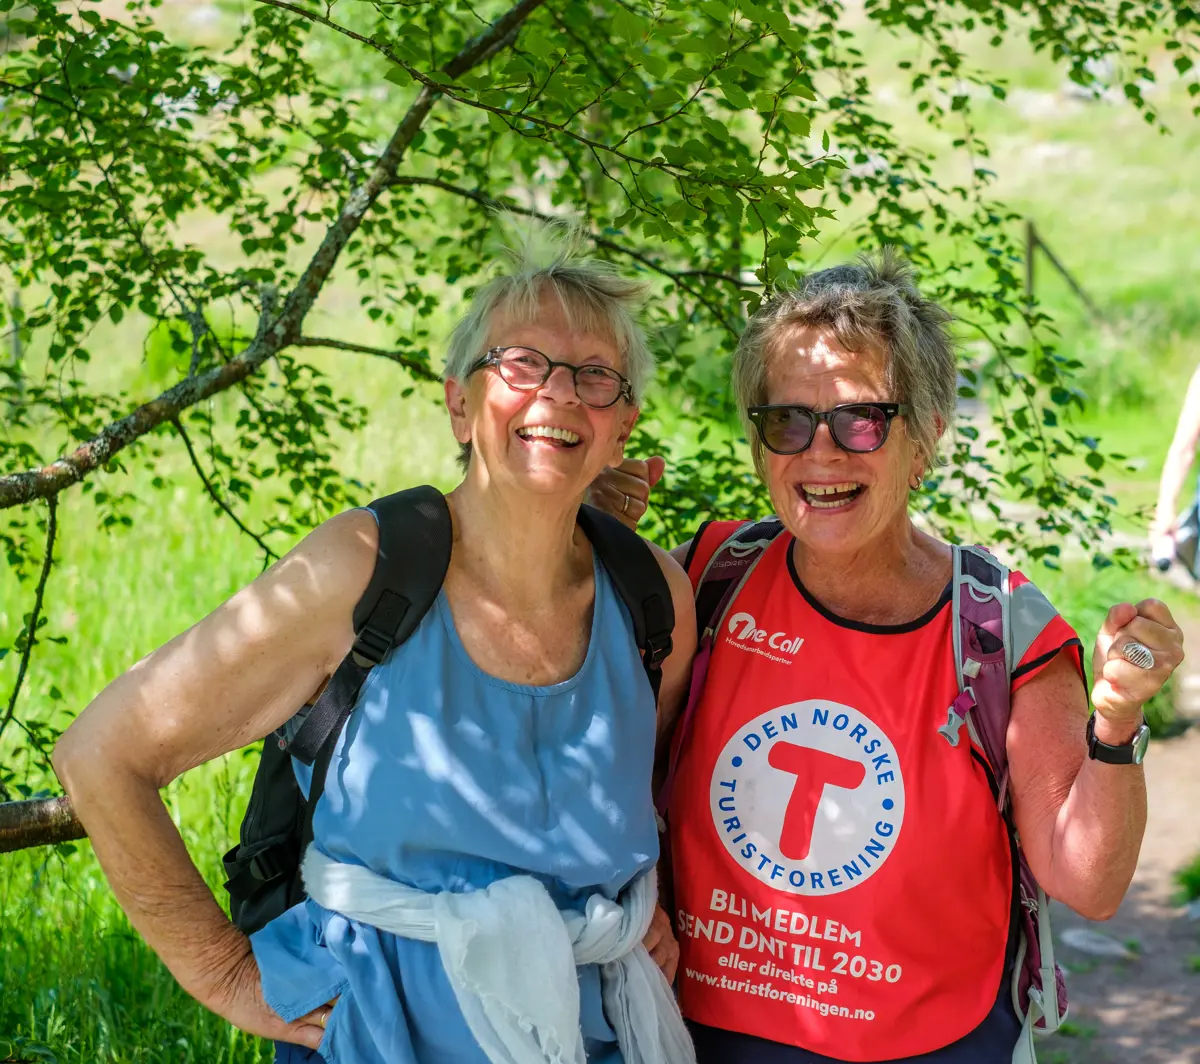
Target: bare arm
229, 680
1081, 821
1179, 460
677, 670
672, 697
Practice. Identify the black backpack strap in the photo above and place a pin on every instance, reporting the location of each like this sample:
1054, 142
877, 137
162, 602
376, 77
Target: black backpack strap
639, 580
415, 536
410, 566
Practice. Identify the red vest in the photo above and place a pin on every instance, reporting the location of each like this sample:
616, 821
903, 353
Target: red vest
843, 881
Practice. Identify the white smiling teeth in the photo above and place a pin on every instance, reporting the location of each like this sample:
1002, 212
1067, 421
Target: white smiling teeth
813, 494
828, 489
549, 432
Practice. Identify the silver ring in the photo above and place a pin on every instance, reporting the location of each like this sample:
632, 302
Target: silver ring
1139, 655
625, 505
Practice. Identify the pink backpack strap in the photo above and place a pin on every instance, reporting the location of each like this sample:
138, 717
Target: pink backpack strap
993, 626
727, 570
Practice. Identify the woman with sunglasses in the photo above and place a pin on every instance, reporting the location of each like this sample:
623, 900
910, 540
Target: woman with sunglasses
843, 880
490, 796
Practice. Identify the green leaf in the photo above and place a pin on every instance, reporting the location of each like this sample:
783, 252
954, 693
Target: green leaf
796, 123
656, 64
629, 26
736, 97
706, 46
497, 122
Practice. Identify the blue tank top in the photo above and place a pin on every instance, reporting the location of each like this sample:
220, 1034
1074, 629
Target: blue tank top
447, 778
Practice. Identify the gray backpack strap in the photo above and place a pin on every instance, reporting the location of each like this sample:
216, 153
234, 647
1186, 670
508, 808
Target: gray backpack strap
993, 627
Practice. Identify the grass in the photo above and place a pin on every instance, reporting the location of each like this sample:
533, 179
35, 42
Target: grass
78, 981
1188, 878
77, 985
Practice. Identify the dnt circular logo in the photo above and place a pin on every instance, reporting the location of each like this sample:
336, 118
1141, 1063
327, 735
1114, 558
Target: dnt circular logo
809, 797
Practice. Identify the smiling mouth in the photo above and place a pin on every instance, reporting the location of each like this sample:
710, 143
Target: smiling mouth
549, 435
829, 496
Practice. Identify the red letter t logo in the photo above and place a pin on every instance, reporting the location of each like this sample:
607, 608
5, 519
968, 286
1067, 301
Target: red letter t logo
813, 769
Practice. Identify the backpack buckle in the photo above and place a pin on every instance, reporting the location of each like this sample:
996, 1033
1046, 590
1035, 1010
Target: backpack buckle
658, 649
371, 645
270, 864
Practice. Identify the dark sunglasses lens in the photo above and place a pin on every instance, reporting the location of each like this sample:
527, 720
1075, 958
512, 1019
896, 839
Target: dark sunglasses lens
859, 428
787, 430
523, 368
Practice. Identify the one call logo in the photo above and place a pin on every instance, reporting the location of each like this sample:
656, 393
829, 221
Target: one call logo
809, 797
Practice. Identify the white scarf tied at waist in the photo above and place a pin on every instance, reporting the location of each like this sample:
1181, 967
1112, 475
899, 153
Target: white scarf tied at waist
510, 956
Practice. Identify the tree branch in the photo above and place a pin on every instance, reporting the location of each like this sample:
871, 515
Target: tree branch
38, 822
273, 335
34, 614
414, 367
509, 116
268, 554
676, 276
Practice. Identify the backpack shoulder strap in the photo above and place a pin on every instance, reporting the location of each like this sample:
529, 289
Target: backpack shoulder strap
994, 624
639, 580
980, 629
722, 577
414, 553
415, 537
728, 569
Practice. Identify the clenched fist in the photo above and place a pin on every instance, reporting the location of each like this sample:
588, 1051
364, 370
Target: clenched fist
1120, 687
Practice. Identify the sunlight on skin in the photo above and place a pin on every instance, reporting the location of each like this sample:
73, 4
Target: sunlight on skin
870, 534
487, 413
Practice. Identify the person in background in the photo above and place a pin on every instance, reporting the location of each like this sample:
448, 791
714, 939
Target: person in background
844, 880
1164, 529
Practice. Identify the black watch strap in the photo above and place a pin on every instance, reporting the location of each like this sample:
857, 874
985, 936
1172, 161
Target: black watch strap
1130, 753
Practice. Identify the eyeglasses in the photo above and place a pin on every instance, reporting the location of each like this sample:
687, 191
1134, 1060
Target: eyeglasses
856, 427
526, 369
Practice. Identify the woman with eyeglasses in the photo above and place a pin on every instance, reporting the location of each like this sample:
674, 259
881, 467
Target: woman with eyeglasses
844, 852
480, 879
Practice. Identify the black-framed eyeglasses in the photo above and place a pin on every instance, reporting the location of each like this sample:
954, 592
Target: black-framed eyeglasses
526, 368
855, 427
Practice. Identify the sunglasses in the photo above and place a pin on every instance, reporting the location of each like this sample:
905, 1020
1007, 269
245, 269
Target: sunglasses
526, 369
855, 427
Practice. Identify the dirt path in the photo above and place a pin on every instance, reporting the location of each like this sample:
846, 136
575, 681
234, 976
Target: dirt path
1145, 1008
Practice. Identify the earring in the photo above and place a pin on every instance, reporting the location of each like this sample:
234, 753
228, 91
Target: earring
917, 486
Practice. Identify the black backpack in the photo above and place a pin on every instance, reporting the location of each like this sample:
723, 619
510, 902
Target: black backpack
414, 552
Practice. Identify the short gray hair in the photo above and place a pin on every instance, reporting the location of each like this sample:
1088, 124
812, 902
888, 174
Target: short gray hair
551, 257
873, 302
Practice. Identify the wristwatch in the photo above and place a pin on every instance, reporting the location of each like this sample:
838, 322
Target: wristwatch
1130, 753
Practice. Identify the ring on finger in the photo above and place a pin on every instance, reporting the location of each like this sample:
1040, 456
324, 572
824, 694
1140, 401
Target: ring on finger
1138, 654
625, 505
323, 1016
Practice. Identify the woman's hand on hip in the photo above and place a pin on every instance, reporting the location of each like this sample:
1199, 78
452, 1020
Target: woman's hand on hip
236, 995
661, 944
1121, 687
624, 490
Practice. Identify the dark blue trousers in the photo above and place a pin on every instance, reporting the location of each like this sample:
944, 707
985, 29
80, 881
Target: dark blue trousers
290, 1053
